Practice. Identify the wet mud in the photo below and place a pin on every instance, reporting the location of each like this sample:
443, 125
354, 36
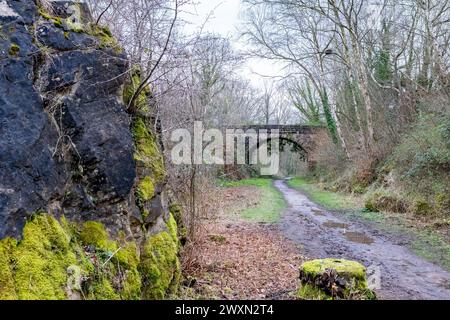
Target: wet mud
394, 271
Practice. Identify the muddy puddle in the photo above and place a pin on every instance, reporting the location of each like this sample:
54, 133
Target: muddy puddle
318, 212
358, 237
395, 272
335, 225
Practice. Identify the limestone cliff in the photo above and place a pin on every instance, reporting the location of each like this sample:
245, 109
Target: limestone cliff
81, 180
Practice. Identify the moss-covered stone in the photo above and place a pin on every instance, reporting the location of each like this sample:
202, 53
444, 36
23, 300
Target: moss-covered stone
14, 50
105, 36
346, 268
177, 211
39, 266
74, 24
160, 266
41, 260
57, 21
102, 289
94, 234
119, 265
129, 259
7, 286
311, 292
147, 150
172, 227
133, 83
146, 189
333, 279
148, 155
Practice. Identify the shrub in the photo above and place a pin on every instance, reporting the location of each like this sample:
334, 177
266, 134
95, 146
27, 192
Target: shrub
425, 151
421, 207
384, 200
421, 164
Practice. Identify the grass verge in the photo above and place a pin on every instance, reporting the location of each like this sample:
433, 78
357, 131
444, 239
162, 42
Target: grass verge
270, 207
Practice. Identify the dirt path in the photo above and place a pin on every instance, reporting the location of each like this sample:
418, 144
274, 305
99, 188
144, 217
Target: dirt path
324, 234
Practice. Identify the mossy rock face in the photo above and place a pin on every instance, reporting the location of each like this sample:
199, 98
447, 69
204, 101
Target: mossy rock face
328, 279
7, 286
14, 50
147, 150
41, 266
94, 234
35, 268
131, 85
177, 212
160, 266
57, 259
146, 189
76, 18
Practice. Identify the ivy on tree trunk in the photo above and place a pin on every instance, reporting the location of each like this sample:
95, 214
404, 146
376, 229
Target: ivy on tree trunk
331, 123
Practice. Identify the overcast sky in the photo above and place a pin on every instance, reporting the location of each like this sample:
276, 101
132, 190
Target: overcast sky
225, 18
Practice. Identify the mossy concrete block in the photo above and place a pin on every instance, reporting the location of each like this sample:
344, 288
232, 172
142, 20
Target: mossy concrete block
325, 279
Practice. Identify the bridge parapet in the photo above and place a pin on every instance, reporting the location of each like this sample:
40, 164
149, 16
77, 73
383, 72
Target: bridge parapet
306, 138
283, 129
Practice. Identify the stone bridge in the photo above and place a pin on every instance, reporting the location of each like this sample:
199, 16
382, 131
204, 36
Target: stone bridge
304, 139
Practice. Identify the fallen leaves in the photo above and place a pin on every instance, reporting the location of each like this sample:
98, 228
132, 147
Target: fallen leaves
233, 259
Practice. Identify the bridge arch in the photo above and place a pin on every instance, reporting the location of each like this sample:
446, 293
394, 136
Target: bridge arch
285, 142
305, 139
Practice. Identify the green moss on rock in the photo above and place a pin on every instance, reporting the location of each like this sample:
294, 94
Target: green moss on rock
57, 21
343, 267
146, 189
177, 211
105, 36
119, 265
41, 260
74, 24
94, 234
147, 150
172, 228
14, 50
7, 286
129, 259
74, 21
160, 266
40, 266
141, 102
310, 292
102, 289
